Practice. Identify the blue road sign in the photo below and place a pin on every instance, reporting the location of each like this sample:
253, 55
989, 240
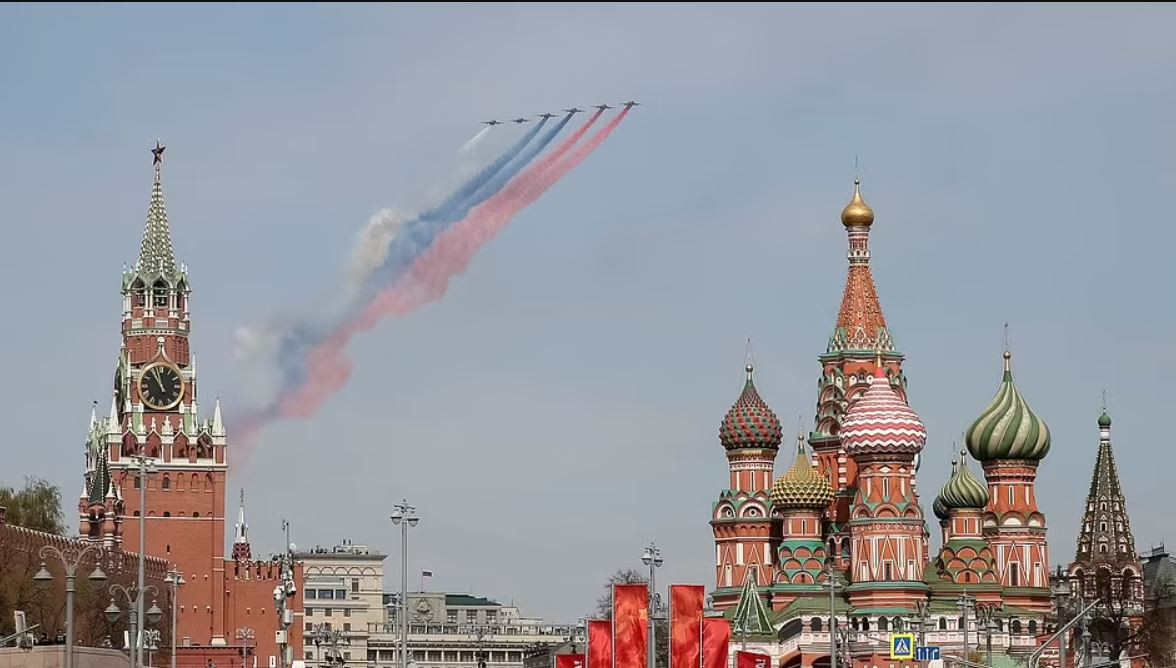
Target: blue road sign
902, 646
929, 653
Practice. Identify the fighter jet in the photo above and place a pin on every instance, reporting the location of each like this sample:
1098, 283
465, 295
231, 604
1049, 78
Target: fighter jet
573, 110
520, 120
602, 107
491, 123
546, 115
630, 104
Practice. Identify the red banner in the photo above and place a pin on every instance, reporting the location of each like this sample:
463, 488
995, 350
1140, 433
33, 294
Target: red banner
686, 603
716, 642
599, 643
752, 660
570, 661
630, 625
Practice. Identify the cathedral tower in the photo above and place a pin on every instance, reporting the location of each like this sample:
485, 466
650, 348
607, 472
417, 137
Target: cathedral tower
745, 531
888, 535
800, 497
965, 559
859, 343
154, 414
1010, 440
1105, 564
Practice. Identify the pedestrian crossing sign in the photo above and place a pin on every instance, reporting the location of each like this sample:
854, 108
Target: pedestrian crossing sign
902, 646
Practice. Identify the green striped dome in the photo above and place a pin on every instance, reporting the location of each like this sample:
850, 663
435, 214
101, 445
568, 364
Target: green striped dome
1008, 428
963, 490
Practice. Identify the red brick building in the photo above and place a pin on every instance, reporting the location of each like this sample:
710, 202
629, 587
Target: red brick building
154, 412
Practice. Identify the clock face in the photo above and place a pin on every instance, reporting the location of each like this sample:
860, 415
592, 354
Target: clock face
161, 386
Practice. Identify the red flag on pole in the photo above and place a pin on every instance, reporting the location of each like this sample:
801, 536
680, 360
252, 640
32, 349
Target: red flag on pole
752, 660
570, 661
716, 642
600, 643
630, 625
686, 604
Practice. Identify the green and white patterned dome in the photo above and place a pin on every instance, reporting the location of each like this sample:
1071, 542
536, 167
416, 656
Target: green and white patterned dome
963, 490
1008, 428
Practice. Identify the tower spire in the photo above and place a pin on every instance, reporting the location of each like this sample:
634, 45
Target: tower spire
860, 323
241, 549
156, 254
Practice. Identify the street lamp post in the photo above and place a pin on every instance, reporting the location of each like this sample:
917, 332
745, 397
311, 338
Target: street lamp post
1060, 593
922, 611
330, 639
146, 465
246, 636
831, 578
176, 580
652, 558
283, 592
134, 605
985, 613
404, 516
70, 559
965, 602
151, 643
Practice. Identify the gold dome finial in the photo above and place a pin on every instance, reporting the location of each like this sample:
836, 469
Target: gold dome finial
857, 213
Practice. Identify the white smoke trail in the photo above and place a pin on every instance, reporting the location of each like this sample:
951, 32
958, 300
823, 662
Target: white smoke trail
474, 142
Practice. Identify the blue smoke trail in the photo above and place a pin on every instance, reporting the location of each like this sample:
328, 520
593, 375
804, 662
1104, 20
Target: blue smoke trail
416, 235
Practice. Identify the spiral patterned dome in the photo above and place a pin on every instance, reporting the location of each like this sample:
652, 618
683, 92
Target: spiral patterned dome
940, 510
963, 490
881, 422
750, 423
1008, 428
802, 486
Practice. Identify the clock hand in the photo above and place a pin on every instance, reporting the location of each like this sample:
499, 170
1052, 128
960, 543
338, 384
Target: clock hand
158, 380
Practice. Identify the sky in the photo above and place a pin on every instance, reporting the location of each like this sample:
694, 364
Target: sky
559, 408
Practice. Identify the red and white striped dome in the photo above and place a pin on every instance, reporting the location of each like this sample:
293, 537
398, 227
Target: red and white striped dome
881, 422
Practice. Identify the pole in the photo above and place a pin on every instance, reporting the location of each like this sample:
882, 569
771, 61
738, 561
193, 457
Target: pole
404, 594
988, 643
175, 596
652, 658
70, 572
142, 460
134, 630
832, 618
1062, 656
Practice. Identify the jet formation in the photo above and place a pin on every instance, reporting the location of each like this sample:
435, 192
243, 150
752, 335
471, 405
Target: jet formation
570, 110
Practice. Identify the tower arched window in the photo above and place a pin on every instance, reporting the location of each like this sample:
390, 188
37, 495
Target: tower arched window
815, 624
1032, 626
208, 482
138, 294
1102, 526
883, 624
943, 623
166, 484
1014, 575
160, 294
195, 514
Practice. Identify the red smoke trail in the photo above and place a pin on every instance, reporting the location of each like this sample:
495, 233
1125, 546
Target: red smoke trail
428, 278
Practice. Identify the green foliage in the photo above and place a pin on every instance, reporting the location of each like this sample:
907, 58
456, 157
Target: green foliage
35, 506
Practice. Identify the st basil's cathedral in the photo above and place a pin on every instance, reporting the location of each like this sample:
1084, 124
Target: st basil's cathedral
843, 529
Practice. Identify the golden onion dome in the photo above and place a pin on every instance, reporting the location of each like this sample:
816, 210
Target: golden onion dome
857, 213
802, 487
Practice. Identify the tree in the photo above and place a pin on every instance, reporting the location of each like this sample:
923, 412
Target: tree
35, 506
661, 624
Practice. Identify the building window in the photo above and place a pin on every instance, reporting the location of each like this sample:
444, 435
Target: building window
451, 616
195, 514
888, 570
346, 626
341, 594
138, 482
309, 627
883, 624
471, 616
311, 593
136, 513
943, 623
310, 612
326, 593
167, 513
1014, 575
346, 612
815, 624
1012, 496
886, 489
327, 612
166, 483
1102, 526
355, 585
491, 616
